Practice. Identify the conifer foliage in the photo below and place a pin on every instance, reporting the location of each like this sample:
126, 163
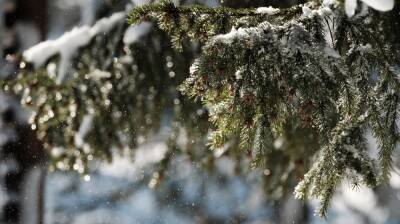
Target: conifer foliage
295, 88
309, 72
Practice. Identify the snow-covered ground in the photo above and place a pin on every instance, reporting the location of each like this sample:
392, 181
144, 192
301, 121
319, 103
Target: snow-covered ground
119, 193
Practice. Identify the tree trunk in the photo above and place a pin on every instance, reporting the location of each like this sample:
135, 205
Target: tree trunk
24, 178
22, 157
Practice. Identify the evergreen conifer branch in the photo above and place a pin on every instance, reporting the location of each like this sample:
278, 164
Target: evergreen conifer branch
285, 72
119, 95
198, 22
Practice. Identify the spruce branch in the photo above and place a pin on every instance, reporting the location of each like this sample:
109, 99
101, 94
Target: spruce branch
198, 22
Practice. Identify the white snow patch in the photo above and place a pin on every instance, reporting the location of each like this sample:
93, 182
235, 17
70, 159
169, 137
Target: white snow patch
323, 11
152, 152
372, 144
140, 2
395, 179
306, 11
194, 67
57, 152
229, 37
52, 70
365, 48
362, 200
350, 7
240, 33
122, 165
68, 44
84, 128
381, 5
267, 10
222, 150
106, 24
331, 52
134, 33
329, 2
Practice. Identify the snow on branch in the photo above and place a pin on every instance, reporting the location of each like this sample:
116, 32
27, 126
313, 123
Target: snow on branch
134, 33
380, 5
69, 43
